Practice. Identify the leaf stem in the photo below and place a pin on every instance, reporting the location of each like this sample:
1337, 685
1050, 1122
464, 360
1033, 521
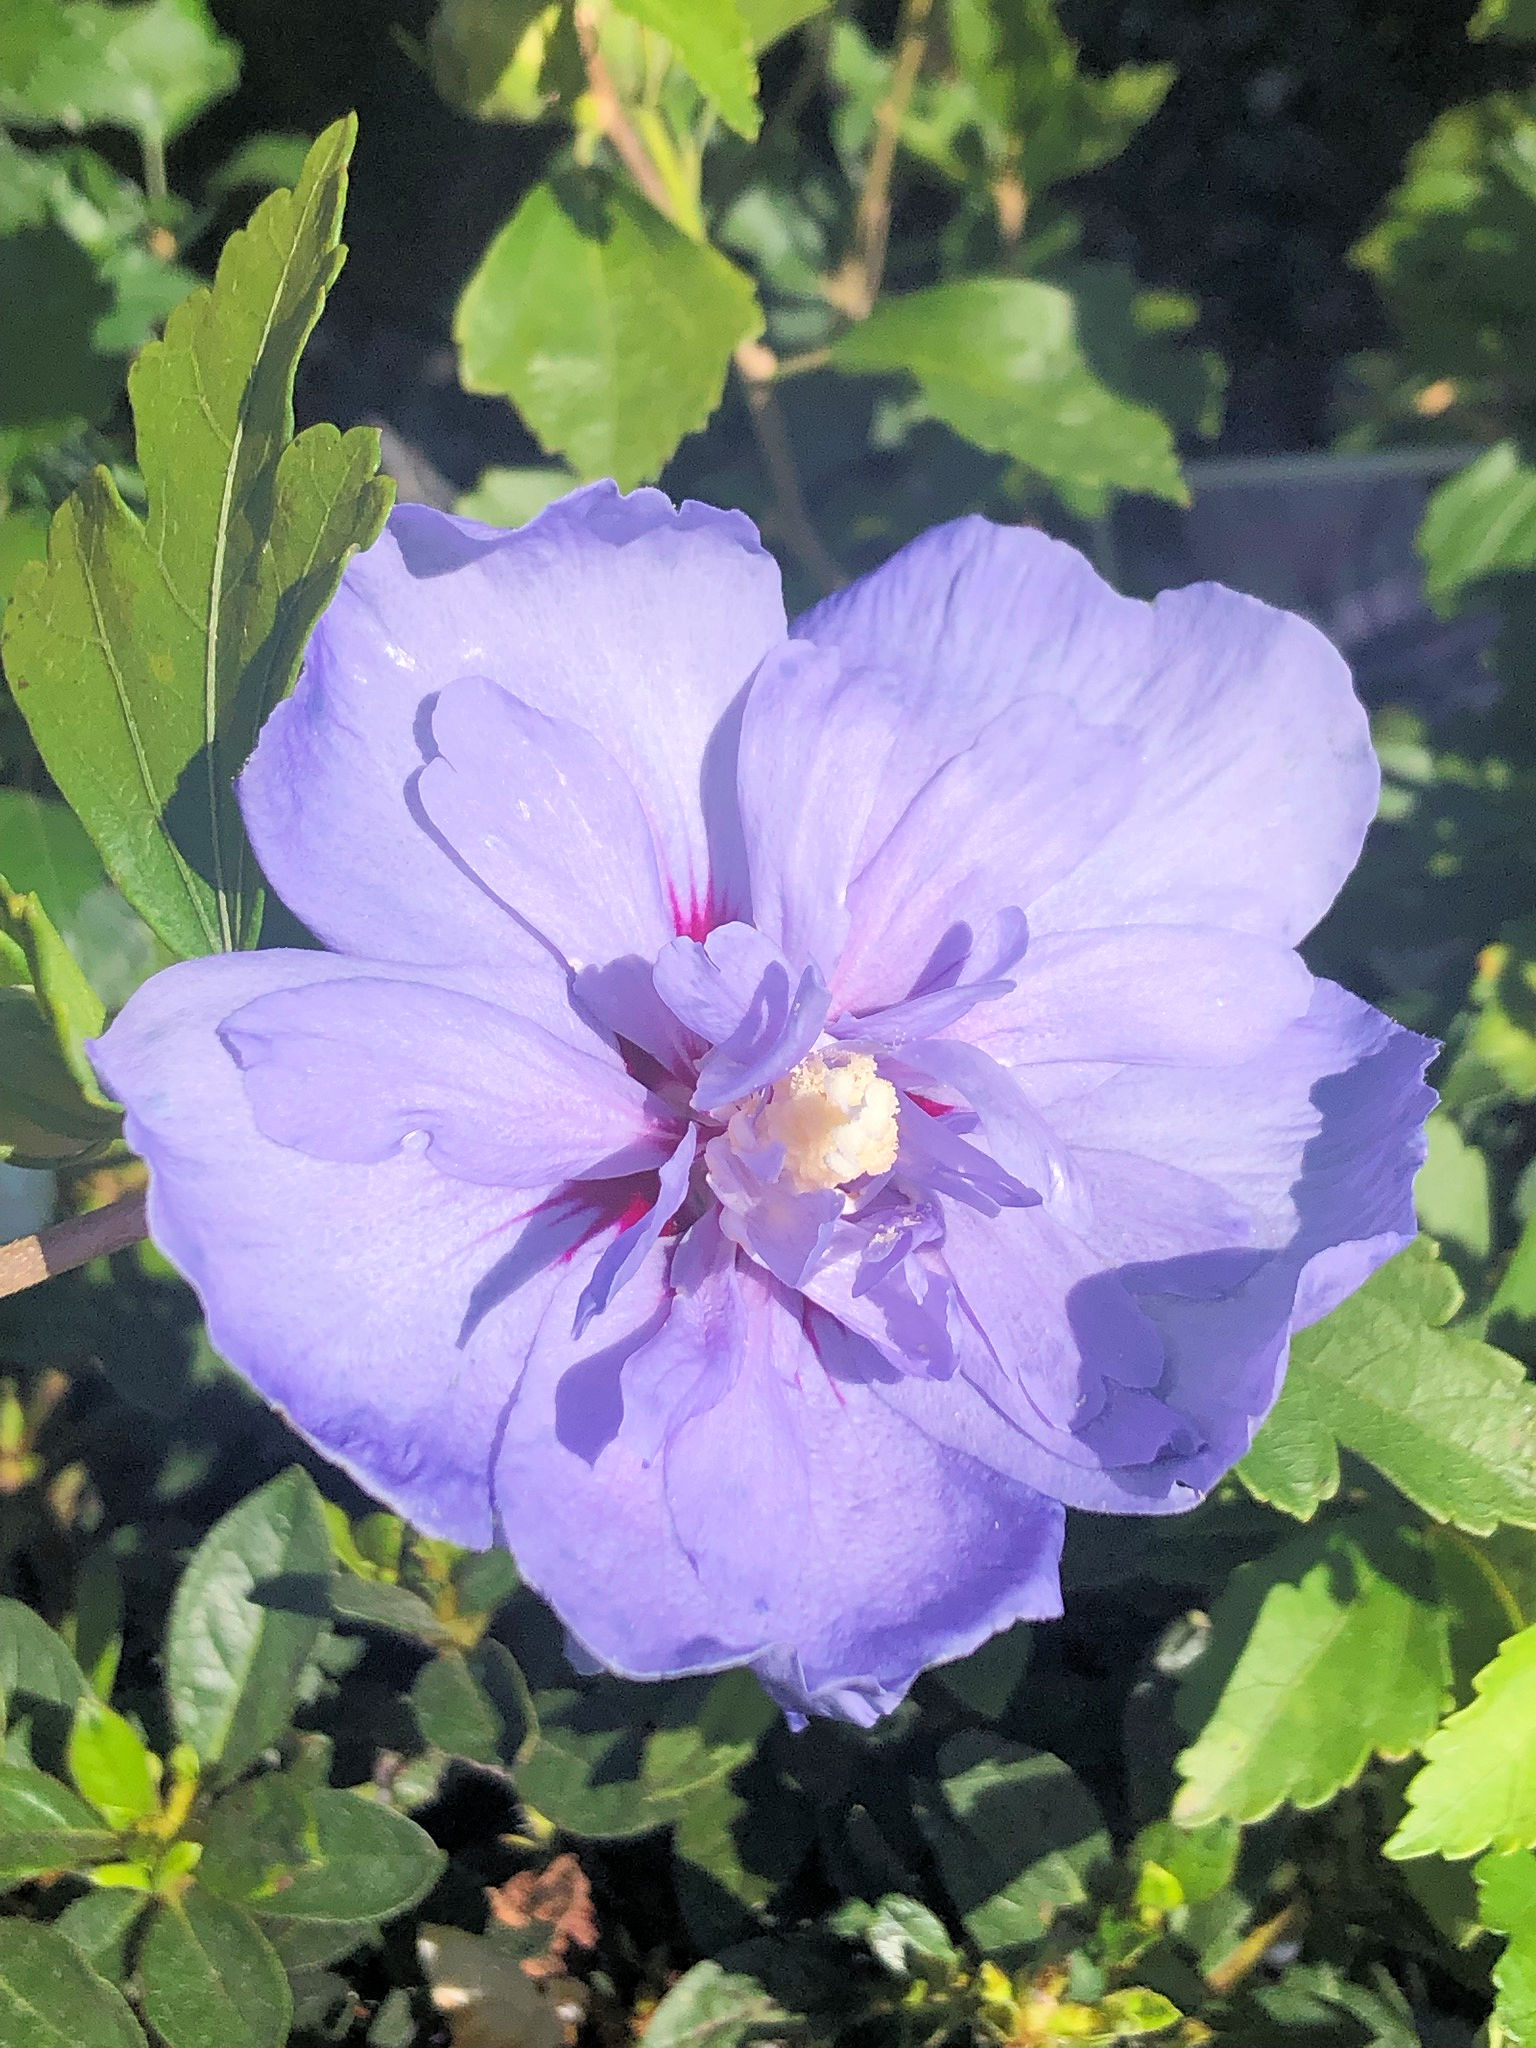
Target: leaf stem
615, 122
872, 224
28, 1261
756, 368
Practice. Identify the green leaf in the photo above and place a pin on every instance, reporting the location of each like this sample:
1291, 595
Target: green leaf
1039, 112
52, 1110
146, 656
500, 60
44, 1827
211, 1978
768, 20
902, 1935
151, 67
96, 1623
50, 1997
1514, 20
232, 1665
712, 42
101, 1926
987, 1679
46, 852
1201, 1859
1452, 1193
1506, 1890
1478, 522
511, 497
111, 1764
40, 1682
53, 376
608, 329
1015, 1840
373, 1603
712, 2007
1477, 1788
257, 1837
362, 1862
1449, 1420
475, 1706
999, 361
1328, 1651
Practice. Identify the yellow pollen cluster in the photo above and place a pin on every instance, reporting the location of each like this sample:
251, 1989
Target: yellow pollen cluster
835, 1119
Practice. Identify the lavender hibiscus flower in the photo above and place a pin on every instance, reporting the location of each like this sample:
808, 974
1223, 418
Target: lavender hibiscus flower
782, 1113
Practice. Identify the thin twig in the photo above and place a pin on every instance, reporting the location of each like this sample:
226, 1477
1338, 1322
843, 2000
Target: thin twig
792, 520
872, 226
63, 1246
1226, 1975
615, 123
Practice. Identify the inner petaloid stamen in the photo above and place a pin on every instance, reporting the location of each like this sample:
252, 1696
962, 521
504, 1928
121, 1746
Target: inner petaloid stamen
836, 1118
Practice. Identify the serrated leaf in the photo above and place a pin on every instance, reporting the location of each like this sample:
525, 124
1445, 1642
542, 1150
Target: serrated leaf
364, 1863
1331, 1649
999, 361
1448, 1419
608, 329
712, 2007
210, 1977
50, 1997
151, 67
233, 1665
768, 20
1015, 1838
712, 42
44, 1827
1477, 1788
1506, 1890
146, 656
112, 1766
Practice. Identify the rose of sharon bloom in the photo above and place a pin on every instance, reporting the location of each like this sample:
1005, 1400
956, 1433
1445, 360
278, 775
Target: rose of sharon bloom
782, 1110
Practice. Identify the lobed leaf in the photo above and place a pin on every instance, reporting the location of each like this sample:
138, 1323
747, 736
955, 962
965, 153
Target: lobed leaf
1447, 1418
999, 360
712, 42
146, 655
150, 67
1477, 1788
1328, 1651
1506, 1891
609, 329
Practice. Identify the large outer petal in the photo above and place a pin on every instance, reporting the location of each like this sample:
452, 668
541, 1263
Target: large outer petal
373, 1304
798, 1523
1234, 1203
1259, 778
639, 621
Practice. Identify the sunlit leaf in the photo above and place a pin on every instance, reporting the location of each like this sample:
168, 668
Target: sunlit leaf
1478, 1786
50, 1997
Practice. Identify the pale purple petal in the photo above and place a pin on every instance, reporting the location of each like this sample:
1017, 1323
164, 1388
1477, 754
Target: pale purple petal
357, 1068
777, 1032
816, 736
1259, 776
995, 827
386, 1309
541, 813
1021, 1140
769, 1525
710, 985
1149, 994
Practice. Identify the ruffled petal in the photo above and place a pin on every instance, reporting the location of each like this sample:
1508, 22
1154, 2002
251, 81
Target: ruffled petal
358, 1067
795, 1523
992, 829
1260, 780
387, 1309
816, 735
1160, 994
633, 619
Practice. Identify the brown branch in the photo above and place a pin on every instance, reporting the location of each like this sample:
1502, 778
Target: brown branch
791, 518
872, 226
63, 1246
615, 123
